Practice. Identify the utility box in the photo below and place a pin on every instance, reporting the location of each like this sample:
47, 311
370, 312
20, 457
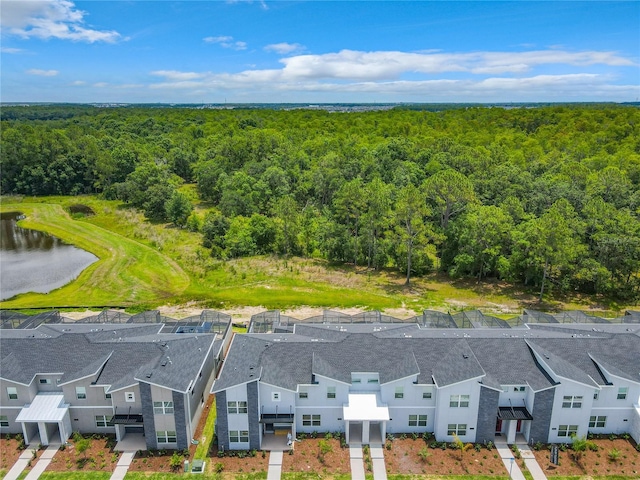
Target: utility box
186, 466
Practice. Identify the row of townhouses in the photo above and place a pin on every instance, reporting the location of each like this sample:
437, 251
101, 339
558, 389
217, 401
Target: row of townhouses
544, 382
147, 379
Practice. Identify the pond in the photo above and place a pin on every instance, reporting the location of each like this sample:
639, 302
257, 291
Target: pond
33, 261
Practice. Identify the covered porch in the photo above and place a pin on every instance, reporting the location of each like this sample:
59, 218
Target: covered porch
129, 430
512, 422
47, 417
278, 431
365, 418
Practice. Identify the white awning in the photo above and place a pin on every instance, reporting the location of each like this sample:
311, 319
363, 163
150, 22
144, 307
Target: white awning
365, 406
44, 408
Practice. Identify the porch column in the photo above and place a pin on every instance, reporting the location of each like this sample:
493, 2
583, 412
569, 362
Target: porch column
365, 432
383, 431
42, 429
24, 433
511, 431
346, 430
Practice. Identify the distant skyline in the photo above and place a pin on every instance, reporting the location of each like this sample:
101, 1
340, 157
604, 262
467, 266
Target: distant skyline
319, 51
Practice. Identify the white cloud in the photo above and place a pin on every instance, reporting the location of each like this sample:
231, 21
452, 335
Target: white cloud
11, 50
100, 84
226, 42
174, 75
284, 48
42, 73
51, 19
78, 83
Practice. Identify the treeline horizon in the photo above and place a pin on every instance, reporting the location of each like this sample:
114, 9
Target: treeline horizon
548, 197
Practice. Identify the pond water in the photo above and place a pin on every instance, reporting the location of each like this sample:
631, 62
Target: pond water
32, 261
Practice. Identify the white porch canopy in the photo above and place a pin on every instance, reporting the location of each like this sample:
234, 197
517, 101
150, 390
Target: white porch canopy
46, 408
365, 418
365, 406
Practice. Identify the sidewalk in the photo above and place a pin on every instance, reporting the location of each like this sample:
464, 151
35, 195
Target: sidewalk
357, 467
124, 462
275, 465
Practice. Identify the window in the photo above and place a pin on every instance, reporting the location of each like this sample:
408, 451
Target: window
45, 381
303, 395
238, 436
457, 429
417, 420
597, 422
102, 420
399, 392
81, 393
310, 420
162, 408
596, 395
275, 396
372, 380
569, 401
459, 401
567, 430
519, 389
331, 392
12, 393
356, 380
167, 436
427, 394
129, 397
622, 393
107, 396
237, 407
4, 421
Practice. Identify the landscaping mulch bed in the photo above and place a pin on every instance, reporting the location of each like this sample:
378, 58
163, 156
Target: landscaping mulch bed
417, 456
308, 457
9, 452
237, 461
599, 462
98, 457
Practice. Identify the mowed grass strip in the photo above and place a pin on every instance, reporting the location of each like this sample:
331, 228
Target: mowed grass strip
127, 272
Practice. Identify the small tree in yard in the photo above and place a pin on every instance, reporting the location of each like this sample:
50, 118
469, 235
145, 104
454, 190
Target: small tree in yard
579, 446
82, 446
424, 454
459, 444
325, 447
176, 461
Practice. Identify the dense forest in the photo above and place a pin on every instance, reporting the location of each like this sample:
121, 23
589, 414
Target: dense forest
548, 197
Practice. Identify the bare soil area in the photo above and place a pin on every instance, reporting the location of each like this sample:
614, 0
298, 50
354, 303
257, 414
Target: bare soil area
319, 455
99, 456
409, 456
617, 456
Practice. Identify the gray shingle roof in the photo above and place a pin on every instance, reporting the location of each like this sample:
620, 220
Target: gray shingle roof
79, 350
446, 356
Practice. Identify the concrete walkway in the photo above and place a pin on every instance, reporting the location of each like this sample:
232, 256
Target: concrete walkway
509, 461
124, 462
530, 461
377, 458
275, 465
19, 466
43, 462
357, 467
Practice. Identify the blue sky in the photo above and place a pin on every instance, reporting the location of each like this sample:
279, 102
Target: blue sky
319, 51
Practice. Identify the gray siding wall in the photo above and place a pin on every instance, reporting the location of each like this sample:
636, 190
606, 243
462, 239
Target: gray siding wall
254, 415
180, 416
487, 414
541, 423
147, 416
201, 389
222, 424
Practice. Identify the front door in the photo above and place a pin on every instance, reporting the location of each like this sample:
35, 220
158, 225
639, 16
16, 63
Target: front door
498, 425
519, 426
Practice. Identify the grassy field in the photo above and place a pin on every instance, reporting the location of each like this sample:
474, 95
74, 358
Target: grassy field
145, 266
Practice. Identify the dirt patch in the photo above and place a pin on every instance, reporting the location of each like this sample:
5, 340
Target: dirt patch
308, 456
99, 455
417, 456
617, 456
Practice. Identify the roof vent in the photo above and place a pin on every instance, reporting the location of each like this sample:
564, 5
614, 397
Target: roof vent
149, 375
164, 363
464, 355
